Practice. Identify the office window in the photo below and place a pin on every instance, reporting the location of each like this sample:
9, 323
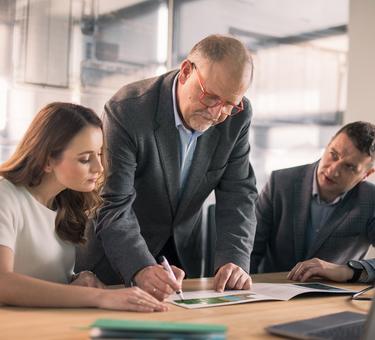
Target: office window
299, 89
125, 44
84, 50
75, 51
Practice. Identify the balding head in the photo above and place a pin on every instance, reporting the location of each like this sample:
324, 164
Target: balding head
212, 81
223, 49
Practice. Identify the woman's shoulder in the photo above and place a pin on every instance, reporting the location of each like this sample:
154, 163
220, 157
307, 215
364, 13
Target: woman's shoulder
9, 192
10, 207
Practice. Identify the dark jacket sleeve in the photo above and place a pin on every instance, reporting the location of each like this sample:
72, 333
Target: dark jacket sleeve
117, 225
264, 216
369, 266
235, 199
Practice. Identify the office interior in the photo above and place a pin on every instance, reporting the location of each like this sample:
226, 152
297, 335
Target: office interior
314, 66
310, 62
314, 71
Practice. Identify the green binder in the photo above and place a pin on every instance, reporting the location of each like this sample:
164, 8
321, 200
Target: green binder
145, 329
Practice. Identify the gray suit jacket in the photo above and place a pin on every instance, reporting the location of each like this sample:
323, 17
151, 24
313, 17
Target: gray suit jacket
283, 212
369, 266
142, 209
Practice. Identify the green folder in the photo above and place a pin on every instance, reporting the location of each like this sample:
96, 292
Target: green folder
157, 326
151, 330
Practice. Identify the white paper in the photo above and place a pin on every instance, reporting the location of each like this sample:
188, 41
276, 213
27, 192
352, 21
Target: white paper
259, 292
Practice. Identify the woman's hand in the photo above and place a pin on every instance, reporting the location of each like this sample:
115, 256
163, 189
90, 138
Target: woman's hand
131, 299
87, 279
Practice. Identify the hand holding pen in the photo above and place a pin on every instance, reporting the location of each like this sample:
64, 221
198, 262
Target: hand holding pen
158, 281
164, 262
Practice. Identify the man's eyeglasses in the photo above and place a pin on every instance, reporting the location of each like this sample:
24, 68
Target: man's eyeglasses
210, 100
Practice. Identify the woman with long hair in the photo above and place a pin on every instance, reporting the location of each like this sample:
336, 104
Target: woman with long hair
49, 189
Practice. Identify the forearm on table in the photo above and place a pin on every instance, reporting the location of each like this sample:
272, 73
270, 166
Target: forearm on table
21, 290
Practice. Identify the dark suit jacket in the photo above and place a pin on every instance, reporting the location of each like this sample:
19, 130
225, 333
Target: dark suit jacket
369, 266
142, 209
283, 212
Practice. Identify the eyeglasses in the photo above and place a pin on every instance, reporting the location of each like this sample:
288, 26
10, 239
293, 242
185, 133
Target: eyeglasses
210, 100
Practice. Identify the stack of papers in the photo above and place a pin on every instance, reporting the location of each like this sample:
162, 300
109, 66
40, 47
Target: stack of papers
144, 329
259, 292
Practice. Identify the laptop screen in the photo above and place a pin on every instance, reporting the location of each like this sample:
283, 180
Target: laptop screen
342, 325
370, 323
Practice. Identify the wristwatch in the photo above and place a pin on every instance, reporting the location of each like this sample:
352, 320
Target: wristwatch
357, 267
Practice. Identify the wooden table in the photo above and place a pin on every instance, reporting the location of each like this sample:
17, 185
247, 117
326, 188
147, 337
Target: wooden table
244, 321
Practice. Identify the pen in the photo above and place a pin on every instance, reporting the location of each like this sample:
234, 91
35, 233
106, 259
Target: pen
164, 262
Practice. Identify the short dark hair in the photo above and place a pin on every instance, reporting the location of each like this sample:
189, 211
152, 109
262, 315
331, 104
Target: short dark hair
362, 134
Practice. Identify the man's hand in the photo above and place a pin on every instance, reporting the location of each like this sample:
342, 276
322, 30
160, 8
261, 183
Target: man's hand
315, 267
231, 276
158, 282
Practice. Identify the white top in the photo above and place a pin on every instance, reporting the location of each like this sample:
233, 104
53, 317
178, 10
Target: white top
27, 227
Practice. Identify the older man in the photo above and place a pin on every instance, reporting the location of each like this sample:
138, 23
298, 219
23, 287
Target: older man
172, 140
322, 212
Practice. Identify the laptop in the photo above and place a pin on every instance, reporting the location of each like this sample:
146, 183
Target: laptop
340, 326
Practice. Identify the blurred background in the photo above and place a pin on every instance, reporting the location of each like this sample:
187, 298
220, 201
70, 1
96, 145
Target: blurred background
313, 62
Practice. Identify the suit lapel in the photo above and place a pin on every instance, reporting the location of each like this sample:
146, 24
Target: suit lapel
302, 197
335, 220
167, 141
206, 146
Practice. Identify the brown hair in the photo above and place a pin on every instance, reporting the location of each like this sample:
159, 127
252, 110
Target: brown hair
218, 47
362, 134
48, 135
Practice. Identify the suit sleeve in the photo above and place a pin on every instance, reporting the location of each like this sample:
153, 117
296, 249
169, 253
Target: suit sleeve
117, 225
369, 266
264, 215
235, 199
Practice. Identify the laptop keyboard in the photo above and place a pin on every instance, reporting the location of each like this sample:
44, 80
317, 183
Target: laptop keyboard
351, 331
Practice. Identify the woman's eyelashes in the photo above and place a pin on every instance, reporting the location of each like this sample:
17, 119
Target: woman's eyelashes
84, 161
88, 159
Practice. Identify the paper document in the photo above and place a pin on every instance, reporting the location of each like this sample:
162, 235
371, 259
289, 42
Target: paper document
259, 292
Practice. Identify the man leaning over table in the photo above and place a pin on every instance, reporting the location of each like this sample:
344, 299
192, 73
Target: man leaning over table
313, 219
171, 141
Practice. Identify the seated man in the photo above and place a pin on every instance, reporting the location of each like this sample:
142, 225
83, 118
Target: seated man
324, 210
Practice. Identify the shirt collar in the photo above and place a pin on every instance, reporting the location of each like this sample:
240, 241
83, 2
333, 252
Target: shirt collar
315, 191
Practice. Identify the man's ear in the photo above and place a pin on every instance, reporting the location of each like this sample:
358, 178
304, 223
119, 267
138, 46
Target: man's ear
186, 70
369, 173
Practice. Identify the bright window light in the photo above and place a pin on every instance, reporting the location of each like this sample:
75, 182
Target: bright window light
162, 42
3, 102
